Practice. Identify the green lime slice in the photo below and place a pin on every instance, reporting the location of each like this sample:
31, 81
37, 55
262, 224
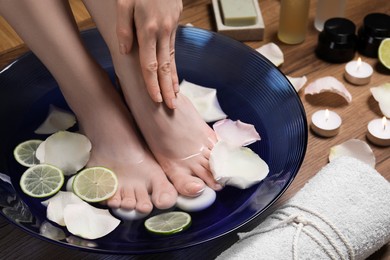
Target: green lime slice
168, 223
95, 184
384, 52
24, 153
41, 180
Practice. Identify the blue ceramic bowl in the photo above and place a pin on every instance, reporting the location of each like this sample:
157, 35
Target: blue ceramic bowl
249, 88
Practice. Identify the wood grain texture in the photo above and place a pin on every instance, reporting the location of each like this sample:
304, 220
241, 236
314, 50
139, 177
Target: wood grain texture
299, 60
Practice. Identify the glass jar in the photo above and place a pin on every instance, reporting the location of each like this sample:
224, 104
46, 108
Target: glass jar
327, 9
293, 19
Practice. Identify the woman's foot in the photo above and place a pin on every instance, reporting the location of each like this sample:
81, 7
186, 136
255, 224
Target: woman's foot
142, 182
180, 139
117, 145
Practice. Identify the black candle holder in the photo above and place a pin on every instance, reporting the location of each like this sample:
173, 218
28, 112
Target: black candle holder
337, 42
375, 28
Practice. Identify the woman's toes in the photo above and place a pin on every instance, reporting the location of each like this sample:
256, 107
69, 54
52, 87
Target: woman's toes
187, 184
144, 205
193, 188
114, 201
165, 199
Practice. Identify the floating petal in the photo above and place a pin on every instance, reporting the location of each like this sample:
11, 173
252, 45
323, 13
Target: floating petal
80, 242
69, 183
50, 231
328, 84
57, 120
354, 148
201, 202
236, 166
272, 52
382, 95
56, 204
297, 82
236, 132
68, 151
204, 100
88, 222
128, 214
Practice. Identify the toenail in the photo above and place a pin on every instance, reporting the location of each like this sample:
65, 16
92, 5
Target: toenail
218, 186
201, 190
165, 198
194, 188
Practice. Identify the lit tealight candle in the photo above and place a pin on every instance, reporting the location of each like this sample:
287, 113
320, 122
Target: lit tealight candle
358, 72
325, 123
379, 132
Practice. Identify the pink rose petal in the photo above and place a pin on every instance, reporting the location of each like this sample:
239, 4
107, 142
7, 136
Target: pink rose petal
235, 132
328, 84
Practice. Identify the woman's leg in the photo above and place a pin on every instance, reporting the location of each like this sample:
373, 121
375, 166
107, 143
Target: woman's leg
179, 139
48, 28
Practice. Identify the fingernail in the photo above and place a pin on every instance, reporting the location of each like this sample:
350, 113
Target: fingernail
176, 88
173, 102
159, 98
122, 48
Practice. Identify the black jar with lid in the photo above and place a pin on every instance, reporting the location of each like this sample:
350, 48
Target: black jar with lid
337, 41
375, 28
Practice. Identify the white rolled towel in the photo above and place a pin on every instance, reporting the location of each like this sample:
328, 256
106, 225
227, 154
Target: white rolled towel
343, 212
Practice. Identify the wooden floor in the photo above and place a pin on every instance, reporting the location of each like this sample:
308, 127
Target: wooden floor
10, 40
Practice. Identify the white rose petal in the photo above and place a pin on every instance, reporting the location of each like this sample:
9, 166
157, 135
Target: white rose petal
204, 100
57, 119
88, 222
68, 151
272, 52
382, 95
56, 204
353, 148
236, 166
236, 132
328, 84
297, 82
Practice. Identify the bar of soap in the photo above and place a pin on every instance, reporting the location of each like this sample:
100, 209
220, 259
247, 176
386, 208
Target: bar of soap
238, 12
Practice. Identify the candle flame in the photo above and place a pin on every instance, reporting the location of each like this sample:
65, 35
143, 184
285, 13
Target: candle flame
384, 122
326, 114
359, 63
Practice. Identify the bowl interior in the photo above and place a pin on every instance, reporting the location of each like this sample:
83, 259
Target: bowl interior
249, 88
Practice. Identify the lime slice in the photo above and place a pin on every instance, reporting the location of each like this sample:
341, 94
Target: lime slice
384, 52
168, 223
24, 153
41, 180
95, 184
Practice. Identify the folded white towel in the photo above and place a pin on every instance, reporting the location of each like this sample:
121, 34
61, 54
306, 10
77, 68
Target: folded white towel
343, 212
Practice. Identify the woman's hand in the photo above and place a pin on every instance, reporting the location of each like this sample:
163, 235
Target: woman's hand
155, 23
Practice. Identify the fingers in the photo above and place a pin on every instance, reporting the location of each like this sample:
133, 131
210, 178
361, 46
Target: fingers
165, 55
158, 66
175, 77
149, 66
155, 24
124, 25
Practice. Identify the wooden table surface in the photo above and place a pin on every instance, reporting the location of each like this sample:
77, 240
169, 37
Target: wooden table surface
299, 60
